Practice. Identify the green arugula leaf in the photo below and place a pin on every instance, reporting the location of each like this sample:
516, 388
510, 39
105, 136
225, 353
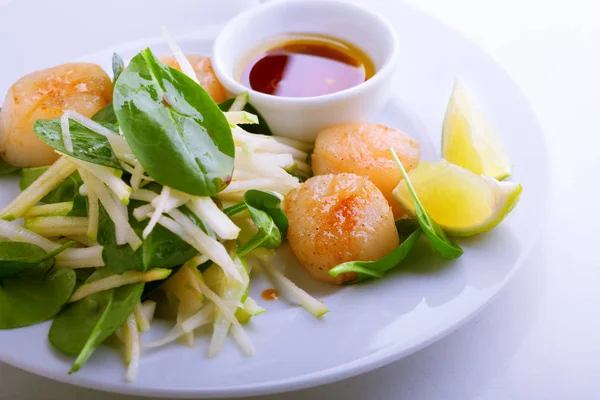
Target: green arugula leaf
177, 132
87, 145
29, 301
436, 236
63, 192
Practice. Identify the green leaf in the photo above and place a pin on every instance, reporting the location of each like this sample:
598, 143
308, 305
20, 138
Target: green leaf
82, 274
6, 168
177, 132
376, 269
261, 128
80, 206
85, 324
18, 259
265, 201
265, 211
268, 235
63, 192
117, 66
26, 301
106, 114
87, 145
269, 203
161, 249
436, 236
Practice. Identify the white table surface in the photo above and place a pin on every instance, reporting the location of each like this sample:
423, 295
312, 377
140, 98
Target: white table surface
540, 339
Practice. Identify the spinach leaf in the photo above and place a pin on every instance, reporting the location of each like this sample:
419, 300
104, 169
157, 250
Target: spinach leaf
85, 324
118, 65
80, 206
375, 269
436, 236
265, 201
107, 114
161, 249
270, 220
87, 145
82, 274
268, 235
6, 168
26, 301
269, 203
177, 132
18, 258
261, 128
63, 192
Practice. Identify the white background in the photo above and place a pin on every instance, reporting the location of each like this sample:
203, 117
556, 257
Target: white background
540, 339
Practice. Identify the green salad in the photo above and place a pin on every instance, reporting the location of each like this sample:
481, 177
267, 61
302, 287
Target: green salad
162, 188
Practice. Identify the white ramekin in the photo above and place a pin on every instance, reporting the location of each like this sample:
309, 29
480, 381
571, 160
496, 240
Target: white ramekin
303, 118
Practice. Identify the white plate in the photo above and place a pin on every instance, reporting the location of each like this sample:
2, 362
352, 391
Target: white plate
369, 325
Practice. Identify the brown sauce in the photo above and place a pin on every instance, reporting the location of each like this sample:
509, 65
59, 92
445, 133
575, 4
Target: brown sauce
306, 65
270, 294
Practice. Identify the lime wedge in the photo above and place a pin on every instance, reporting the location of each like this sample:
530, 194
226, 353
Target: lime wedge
461, 202
468, 139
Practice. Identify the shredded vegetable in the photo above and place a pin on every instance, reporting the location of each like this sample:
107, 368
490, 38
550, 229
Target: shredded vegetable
107, 201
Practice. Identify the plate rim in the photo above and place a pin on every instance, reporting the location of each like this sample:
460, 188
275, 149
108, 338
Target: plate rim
357, 366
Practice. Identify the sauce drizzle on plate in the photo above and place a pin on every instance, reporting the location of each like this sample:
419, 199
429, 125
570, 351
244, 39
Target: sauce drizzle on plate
270, 294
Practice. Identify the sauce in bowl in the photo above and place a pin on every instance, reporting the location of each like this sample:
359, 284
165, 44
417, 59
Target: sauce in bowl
306, 65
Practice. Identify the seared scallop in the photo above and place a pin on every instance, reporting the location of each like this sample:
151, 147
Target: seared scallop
338, 218
363, 148
205, 74
47, 94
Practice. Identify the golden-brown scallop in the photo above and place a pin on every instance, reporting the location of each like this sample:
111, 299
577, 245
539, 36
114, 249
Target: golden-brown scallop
338, 218
363, 148
46, 94
205, 74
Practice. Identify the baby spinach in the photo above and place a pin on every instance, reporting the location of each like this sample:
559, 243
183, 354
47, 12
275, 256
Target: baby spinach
82, 274
118, 65
85, 324
18, 259
6, 168
63, 192
87, 145
436, 236
106, 114
30, 300
177, 132
268, 217
261, 128
376, 269
80, 206
161, 249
